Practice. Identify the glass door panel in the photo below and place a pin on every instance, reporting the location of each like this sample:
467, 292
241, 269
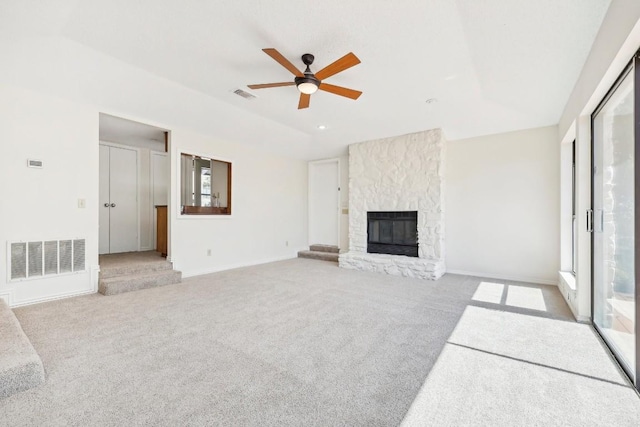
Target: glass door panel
613, 223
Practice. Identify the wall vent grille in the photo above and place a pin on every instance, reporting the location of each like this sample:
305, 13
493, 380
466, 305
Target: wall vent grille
31, 260
244, 94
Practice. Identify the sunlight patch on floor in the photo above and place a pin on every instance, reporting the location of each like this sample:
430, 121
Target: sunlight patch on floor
524, 297
528, 361
489, 292
527, 297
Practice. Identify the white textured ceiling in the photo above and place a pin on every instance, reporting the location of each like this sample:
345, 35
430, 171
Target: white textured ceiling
493, 65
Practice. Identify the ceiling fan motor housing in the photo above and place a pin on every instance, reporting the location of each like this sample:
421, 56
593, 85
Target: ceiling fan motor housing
307, 59
309, 77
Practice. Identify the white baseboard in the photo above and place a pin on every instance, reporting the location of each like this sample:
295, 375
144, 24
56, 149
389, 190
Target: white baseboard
567, 287
95, 277
237, 265
534, 280
6, 296
52, 298
93, 272
583, 319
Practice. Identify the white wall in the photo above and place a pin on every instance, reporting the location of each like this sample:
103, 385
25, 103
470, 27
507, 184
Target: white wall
617, 40
344, 202
566, 205
614, 46
61, 67
47, 114
137, 142
42, 204
502, 205
269, 209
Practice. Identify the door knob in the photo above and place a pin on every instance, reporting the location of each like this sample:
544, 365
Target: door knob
106, 205
113, 205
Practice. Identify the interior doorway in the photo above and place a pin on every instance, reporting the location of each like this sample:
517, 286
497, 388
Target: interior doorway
134, 186
324, 202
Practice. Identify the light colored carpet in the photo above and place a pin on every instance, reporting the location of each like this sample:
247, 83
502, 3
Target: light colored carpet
506, 369
303, 342
134, 271
20, 365
130, 259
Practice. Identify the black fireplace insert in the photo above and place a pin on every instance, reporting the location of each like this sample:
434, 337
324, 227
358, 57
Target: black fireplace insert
393, 233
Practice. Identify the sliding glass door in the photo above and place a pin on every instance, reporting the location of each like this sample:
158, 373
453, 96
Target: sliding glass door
613, 220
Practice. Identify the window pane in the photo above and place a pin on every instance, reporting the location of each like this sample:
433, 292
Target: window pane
613, 223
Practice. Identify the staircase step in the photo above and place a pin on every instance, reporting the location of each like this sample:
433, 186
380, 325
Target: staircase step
321, 255
20, 365
135, 282
324, 248
108, 272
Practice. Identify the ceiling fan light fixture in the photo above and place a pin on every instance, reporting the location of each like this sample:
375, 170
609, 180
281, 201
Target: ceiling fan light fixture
307, 85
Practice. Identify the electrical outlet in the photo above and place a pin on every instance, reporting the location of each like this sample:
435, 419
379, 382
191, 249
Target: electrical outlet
82, 203
286, 243
208, 252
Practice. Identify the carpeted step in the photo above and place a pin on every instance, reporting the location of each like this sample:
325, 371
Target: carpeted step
135, 282
20, 365
324, 248
107, 272
321, 255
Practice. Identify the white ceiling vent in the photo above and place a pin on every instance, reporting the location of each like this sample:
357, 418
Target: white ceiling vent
244, 94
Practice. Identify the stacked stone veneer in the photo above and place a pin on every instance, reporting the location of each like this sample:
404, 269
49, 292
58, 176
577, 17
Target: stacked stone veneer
403, 173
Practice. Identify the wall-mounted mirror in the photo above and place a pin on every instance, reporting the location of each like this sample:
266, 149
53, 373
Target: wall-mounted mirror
205, 186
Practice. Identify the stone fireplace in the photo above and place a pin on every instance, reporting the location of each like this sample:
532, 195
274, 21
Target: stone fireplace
392, 182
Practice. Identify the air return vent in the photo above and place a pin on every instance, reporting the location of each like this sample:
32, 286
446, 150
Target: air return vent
244, 94
31, 260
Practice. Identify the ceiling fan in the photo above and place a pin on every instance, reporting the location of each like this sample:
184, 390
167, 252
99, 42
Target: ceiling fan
309, 82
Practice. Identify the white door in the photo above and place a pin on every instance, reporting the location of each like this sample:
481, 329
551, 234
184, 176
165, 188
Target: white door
105, 203
324, 196
118, 200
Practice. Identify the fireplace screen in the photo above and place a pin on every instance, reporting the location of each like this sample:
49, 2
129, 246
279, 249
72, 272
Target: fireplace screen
394, 233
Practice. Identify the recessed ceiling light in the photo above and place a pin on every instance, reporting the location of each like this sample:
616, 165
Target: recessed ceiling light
431, 101
322, 127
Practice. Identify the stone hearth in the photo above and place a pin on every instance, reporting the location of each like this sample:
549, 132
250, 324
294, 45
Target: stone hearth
404, 173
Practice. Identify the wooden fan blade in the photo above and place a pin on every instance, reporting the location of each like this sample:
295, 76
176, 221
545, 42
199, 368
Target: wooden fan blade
283, 61
266, 85
339, 90
347, 61
304, 101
